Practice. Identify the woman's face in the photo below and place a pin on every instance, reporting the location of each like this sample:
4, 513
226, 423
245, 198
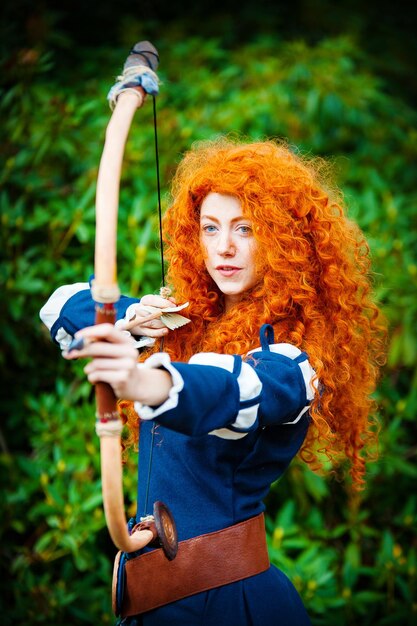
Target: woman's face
227, 240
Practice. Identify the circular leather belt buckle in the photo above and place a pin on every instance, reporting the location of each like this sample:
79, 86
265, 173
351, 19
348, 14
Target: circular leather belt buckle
167, 531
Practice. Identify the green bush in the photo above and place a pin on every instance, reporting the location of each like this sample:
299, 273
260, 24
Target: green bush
353, 564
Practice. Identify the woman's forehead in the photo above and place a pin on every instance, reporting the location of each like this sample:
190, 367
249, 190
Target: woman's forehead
217, 204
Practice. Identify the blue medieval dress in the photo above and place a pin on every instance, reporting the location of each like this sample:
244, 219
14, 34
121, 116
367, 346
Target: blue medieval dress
229, 428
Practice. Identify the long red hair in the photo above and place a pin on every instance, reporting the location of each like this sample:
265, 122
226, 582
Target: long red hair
315, 288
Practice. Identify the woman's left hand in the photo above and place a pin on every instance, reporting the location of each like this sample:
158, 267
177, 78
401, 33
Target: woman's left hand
114, 358
115, 361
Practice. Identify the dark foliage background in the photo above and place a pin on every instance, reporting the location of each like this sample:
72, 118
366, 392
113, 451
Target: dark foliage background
335, 79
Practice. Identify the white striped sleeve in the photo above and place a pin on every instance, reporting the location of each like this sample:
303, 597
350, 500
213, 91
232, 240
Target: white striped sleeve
309, 375
250, 388
51, 310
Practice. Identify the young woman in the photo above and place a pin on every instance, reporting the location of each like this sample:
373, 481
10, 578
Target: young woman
280, 357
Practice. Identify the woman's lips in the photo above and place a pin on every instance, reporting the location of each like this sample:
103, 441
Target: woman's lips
228, 270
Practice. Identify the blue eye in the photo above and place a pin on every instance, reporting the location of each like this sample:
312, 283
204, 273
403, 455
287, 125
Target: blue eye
244, 229
209, 228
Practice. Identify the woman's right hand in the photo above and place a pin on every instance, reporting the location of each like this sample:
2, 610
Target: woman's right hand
153, 328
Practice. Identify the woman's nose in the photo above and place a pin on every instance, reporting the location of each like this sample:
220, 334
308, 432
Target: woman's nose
225, 244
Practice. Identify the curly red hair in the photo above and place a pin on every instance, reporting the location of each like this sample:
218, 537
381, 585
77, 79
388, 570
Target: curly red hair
315, 288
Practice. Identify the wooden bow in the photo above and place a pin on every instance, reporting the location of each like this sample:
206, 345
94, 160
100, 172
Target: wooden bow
105, 290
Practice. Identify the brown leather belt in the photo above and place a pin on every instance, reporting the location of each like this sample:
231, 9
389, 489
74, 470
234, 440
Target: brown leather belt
202, 563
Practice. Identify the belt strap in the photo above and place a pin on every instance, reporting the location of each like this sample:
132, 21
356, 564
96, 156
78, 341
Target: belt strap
202, 563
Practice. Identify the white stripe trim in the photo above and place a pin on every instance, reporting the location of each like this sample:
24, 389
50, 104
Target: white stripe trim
308, 375
299, 416
225, 433
246, 418
225, 361
50, 311
63, 338
249, 384
249, 387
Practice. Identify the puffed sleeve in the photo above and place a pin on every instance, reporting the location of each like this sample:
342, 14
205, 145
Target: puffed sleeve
71, 308
226, 396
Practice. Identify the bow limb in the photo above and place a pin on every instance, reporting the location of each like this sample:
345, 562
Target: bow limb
112, 487
105, 291
108, 183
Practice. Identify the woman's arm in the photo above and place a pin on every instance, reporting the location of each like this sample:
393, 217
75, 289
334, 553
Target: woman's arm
71, 308
211, 393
